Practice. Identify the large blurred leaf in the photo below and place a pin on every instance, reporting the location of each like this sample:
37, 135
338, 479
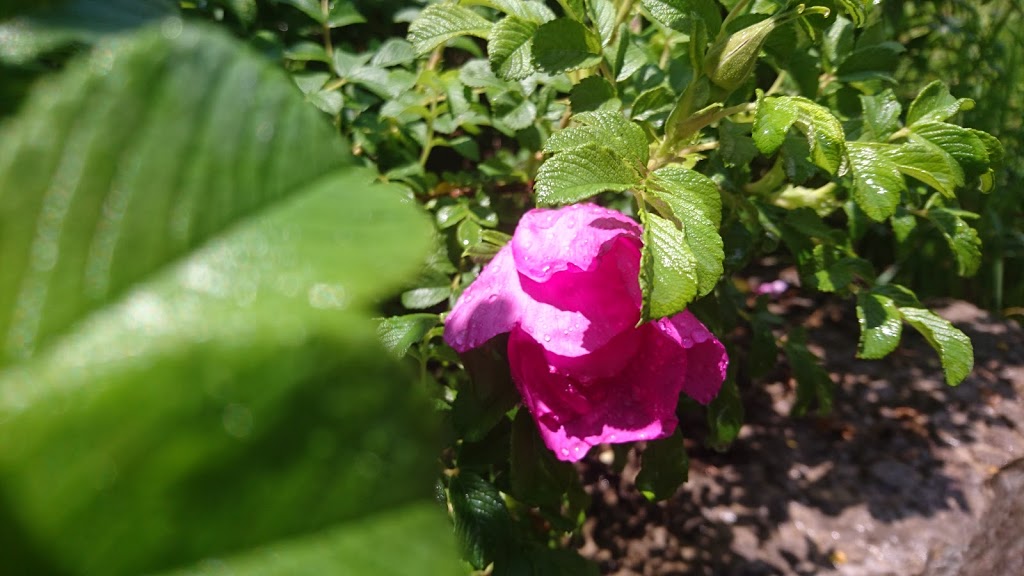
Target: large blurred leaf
48, 25
190, 370
133, 159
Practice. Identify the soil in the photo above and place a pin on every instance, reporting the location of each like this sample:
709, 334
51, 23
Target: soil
907, 475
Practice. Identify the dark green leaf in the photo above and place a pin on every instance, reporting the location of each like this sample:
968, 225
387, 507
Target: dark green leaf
605, 128
881, 325
49, 25
668, 268
962, 239
934, 104
813, 384
824, 132
965, 146
877, 180
489, 394
725, 413
509, 48
399, 333
692, 202
679, 14
953, 346
881, 115
537, 477
563, 45
482, 522
579, 173
930, 164
665, 467
439, 23
592, 93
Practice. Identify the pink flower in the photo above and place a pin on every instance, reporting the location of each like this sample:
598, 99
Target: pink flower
566, 290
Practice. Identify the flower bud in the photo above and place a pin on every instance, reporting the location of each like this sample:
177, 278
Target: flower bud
732, 58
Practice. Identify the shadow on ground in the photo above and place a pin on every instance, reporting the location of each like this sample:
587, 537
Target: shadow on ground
893, 482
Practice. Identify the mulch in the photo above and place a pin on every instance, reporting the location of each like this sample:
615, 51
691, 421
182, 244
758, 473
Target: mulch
906, 475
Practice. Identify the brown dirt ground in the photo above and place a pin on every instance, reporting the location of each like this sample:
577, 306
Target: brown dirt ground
899, 479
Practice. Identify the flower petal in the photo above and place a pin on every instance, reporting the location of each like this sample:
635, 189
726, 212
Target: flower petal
547, 242
638, 403
488, 307
706, 357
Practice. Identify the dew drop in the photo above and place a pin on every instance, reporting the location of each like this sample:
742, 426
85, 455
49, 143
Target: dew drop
546, 268
565, 451
547, 338
492, 297
576, 449
687, 343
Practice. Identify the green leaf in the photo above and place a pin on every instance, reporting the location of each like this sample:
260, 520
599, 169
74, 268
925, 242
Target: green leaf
606, 128
49, 25
488, 395
857, 10
602, 15
692, 202
881, 116
877, 180
579, 173
735, 144
198, 347
813, 385
593, 93
953, 346
439, 23
537, 477
665, 467
399, 333
650, 102
962, 239
425, 297
825, 136
310, 8
482, 522
837, 42
679, 14
725, 413
964, 145
509, 48
874, 62
881, 325
352, 549
126, 143
668, 268
834, 270
929, 164
393, 52
563, 45
934, 104
343, 13
532, 10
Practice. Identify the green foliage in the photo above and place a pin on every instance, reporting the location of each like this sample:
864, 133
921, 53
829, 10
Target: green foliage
192, 257
184, 311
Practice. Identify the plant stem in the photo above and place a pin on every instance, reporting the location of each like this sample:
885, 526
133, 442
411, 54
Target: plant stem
733, 14
325, 8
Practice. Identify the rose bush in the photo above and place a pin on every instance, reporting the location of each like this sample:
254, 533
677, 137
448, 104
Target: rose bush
566, 290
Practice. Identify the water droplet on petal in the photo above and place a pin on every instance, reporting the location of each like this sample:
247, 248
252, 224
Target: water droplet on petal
546, 268
687, 343
565, 451
547, 338
576, 449
611, 438
492, 297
